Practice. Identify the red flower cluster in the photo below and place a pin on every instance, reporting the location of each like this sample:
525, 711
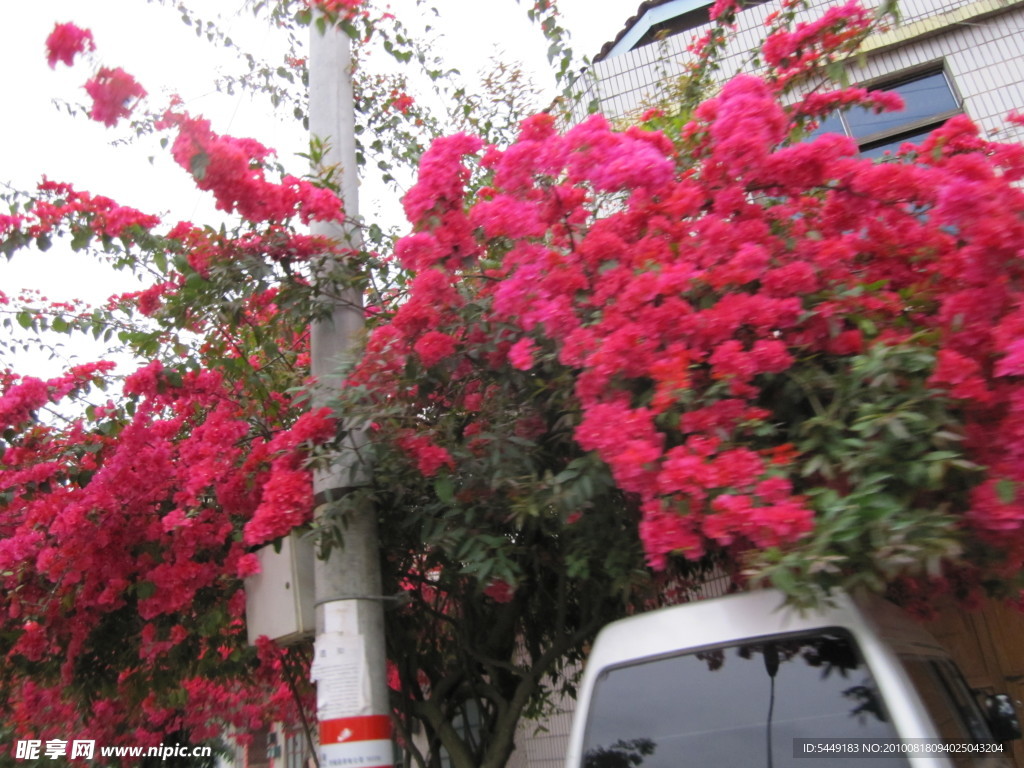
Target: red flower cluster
429, 458
401, 101
20, 400
60, 206
342, 8
233, 170
141, 521
287, 499
114, 94
67, 41
795, 52
206, 248
676, 309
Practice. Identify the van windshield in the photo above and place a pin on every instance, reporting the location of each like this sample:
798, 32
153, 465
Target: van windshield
739, 705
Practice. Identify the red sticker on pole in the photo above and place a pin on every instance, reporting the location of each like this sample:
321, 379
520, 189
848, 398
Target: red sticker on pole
356, 742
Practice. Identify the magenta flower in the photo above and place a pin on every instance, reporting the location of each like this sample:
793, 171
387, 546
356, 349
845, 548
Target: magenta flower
521, 354
65, 42
114, 94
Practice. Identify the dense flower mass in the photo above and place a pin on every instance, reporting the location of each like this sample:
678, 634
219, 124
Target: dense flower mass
797, 51
733, 272
139, 512
167, 492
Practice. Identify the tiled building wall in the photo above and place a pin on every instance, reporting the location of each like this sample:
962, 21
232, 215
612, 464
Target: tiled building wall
544, 744
985, 60
980, 44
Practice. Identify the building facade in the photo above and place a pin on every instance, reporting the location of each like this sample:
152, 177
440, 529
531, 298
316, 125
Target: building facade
944, 57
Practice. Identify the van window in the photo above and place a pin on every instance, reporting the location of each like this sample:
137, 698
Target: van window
738, 705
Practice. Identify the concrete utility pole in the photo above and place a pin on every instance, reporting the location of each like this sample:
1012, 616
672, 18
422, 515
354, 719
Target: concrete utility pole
349, 666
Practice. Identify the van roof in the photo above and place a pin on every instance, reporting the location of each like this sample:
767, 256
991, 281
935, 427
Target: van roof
749, 615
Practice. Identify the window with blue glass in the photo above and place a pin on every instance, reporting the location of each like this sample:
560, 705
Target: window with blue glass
929, 101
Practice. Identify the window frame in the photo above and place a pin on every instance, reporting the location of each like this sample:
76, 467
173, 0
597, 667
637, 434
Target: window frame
906, 130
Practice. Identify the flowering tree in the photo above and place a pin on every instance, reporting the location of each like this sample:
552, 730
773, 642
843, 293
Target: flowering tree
128, 520
127, 524
601, 360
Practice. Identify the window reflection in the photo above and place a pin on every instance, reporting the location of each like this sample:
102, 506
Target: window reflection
928, 102
923, 98
740, 705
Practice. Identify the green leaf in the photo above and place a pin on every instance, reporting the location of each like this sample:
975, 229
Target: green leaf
836, 72
1006, 490
198, 165
783, 580
145, 589
444, 489
80, 239
567, 474
349, 29
897, 428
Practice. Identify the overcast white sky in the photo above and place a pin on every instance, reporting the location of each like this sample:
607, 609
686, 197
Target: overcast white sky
148, 40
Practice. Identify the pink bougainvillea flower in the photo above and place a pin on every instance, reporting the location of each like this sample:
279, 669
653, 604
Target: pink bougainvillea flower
723, 8
434, 346
429, 457
403, 102
233, 170
67, 41
248, 565
114, 94
521, 354
345, 8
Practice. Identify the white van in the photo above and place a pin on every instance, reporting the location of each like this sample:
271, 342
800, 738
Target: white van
745, 681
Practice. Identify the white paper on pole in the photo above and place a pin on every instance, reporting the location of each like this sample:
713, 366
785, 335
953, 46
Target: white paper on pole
357, 754
341, 674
